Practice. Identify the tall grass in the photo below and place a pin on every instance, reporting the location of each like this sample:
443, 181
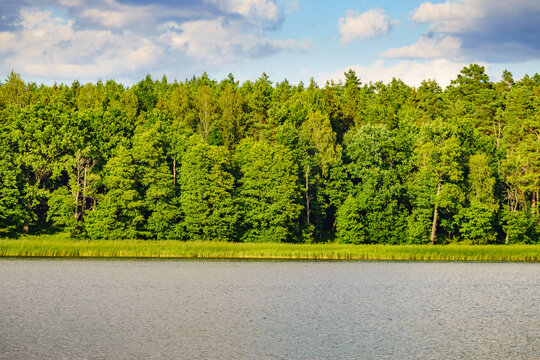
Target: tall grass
62, 246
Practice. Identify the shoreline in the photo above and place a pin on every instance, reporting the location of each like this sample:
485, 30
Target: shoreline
62, 247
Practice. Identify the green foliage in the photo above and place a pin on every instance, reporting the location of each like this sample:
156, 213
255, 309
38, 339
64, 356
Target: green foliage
439, 158
274, 162
12, 211
154, 183
320, 136
349, 226
375, 213
520, 227
268, 192
478, 224
207, 185
118, 214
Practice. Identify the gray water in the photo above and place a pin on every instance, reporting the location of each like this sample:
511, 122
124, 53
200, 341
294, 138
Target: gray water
99, 309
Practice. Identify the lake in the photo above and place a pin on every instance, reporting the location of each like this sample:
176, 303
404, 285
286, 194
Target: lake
181, 309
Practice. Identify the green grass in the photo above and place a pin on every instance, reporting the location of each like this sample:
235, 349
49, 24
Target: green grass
63, 246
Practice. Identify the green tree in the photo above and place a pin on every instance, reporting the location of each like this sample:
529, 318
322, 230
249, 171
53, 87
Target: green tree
207, 193
321, 152
12, 211
375, 197
154, 183
38, 138
520, 168
207, 111
119, 212
68, 204
439, 160
268, 193
428, 99
259, 101
147, 94
479, 217
349, 225
232, 120
14, 92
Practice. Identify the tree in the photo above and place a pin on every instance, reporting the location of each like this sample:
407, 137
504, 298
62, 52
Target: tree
207, 193
439, 160
521, 166
375, 198
232, 120
471, 97
154, 183
12, 211
428, 99
206, 112
147, 94
259, 103
267, 192
15, 92
181, 106
118, 214
352, 102
68, 204
349, 225
377, 163
479, 217
37, 137
321, 153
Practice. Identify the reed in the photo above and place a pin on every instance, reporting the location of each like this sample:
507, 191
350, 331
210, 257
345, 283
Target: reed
63, 246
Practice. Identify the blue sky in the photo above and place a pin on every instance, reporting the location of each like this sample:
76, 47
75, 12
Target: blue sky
62, 40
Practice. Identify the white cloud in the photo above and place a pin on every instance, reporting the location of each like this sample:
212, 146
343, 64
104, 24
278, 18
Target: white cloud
456, 16
369, 24
256, 11
47, 46
492, 30
70, 3
219, 41
410, 72
427, 48
449, 16
111, 14
43, 45
112, 19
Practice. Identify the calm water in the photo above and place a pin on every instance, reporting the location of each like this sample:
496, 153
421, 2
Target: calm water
71, 309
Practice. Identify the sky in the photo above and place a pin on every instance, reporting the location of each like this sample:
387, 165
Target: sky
48, 41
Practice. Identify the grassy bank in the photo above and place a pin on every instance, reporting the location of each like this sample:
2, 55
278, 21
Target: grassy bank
61, 246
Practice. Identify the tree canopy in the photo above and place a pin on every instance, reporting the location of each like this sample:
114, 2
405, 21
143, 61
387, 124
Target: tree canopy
264, 161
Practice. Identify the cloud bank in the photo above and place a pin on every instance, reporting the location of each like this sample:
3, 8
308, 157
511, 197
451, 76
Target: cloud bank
476, 30
49, 45
103, 38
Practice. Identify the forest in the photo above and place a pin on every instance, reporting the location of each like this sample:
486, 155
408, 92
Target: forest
258, 161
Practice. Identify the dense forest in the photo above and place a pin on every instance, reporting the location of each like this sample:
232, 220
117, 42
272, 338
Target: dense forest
258, 161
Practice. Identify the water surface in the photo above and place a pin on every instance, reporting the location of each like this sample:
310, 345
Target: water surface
148, 309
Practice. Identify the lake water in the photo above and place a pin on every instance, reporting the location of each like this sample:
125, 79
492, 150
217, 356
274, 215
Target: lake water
148, 309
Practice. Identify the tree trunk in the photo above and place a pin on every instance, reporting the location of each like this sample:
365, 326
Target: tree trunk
174, 176
535, 200
307, 195
77, 192
83, 207
435, 215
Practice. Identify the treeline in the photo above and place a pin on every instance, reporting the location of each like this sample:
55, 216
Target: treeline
257, 161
